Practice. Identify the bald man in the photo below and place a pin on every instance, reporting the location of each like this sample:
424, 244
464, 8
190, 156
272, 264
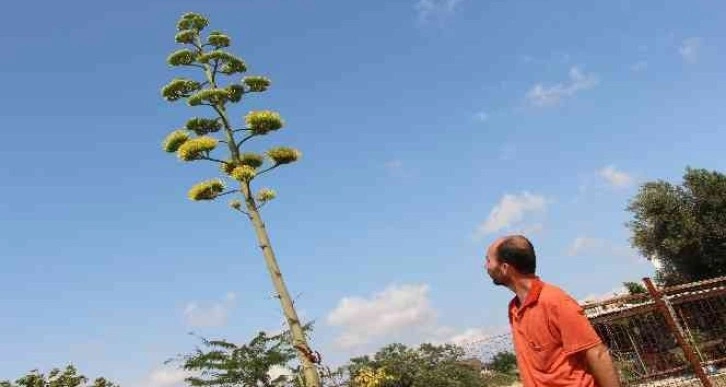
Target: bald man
554, 341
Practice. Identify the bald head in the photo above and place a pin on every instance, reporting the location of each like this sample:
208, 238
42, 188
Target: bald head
515, 250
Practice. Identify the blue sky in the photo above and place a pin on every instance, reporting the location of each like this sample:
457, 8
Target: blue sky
428, 128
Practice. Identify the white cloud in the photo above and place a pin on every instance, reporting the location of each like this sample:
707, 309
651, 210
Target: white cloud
209, 315
616, 179
166, 377
511, 210
395, 309
469, 336
439, 9
583, 244
638, 66
689, 49
541, 95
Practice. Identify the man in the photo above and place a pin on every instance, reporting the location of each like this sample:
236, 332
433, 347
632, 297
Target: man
553, 339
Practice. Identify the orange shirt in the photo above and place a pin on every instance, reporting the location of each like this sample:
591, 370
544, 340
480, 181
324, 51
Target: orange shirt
548, 329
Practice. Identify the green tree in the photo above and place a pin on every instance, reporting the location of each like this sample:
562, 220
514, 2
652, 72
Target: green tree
682, 226
222, 363
504, 362
426, 366
634, 288
200, 137
68, 377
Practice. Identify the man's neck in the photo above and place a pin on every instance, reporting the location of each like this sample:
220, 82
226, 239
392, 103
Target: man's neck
521, 287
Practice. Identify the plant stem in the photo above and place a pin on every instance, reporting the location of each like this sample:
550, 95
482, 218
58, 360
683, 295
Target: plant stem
310, 373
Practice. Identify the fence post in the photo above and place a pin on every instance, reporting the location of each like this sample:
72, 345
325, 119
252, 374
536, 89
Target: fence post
665, 309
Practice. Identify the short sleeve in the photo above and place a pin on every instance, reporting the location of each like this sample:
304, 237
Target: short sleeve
576, 332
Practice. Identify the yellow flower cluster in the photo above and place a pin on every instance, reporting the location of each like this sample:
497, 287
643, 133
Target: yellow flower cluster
174, 140
266, 194
206, 190
243, 173
257, 84
368, 377
283, 155
252, 159
191, 21
218, 39
263, 122
195, 148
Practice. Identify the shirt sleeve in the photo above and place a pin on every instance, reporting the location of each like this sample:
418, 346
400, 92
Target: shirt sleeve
576, 332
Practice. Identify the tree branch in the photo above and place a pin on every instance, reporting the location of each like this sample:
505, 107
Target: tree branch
268, 169
213, 159
240, 130
243, 140
243, 211
214, 71
228, 192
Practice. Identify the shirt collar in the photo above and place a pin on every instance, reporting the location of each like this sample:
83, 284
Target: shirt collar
532, 296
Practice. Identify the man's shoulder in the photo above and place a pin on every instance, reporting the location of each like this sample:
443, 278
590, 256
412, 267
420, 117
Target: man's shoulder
553, 293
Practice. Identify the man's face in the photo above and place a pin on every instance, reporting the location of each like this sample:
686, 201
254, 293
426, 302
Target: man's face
496, 270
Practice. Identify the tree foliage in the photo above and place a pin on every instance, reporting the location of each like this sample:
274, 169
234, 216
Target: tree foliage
682, 226
503, 362
68, 377
634, 288
397, 365
222, 363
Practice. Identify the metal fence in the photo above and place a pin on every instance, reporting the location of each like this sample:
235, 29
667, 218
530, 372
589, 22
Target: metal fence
673, 336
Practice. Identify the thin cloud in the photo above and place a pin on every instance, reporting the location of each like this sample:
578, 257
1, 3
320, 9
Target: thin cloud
511, 210
429, 10
395, 309
209, 315
399, 313
166, 377
615, 178
541, 95
583, 244
689, 49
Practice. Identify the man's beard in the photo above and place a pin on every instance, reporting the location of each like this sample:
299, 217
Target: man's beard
496, 278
